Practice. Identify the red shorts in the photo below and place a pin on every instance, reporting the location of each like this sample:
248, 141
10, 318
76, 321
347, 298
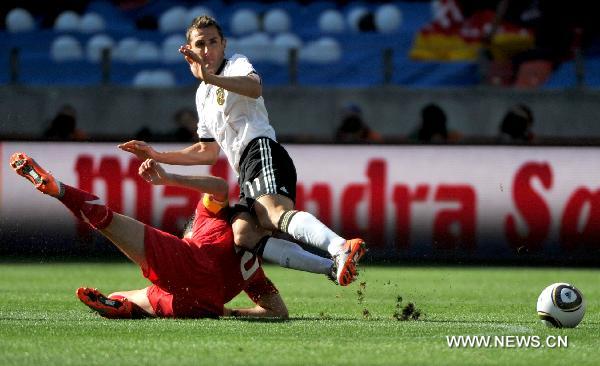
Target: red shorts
162, 301
185, 276
179, 304
195, 280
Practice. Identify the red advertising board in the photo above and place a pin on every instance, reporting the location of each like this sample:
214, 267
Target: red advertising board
480, 202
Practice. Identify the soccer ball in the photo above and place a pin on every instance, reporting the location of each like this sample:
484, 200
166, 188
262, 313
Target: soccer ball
561, 305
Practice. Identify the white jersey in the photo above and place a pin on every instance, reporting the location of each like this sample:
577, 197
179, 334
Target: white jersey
233, 120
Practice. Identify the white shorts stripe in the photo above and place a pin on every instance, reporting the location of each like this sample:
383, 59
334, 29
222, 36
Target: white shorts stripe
267, 164
271, 171
263, 159
263, 162
249, 185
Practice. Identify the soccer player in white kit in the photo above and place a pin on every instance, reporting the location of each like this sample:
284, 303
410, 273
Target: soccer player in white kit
233, 118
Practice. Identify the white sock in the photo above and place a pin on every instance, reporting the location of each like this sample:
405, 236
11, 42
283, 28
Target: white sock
291, 255
308, 229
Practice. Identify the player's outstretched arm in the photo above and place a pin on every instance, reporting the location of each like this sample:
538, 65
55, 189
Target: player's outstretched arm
267, 306
153, 173
201, 153
265, 295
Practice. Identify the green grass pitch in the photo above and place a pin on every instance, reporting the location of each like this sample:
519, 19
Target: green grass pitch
42, 322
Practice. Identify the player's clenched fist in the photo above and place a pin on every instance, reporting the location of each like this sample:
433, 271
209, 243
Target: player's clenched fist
153, 172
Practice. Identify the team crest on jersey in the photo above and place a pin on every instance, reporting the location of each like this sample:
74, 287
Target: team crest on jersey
220, 96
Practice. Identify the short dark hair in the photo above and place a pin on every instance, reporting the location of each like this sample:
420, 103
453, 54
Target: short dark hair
201, 22
517, 122
433, 123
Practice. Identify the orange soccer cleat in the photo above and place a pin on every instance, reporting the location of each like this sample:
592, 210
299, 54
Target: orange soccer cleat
41, 179
347, 259
106, 307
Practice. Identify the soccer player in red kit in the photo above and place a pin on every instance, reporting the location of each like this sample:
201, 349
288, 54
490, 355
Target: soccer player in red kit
191, 277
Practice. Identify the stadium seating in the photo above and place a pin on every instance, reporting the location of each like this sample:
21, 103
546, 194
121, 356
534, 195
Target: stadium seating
92, 23
388, 18
173, 20
154, 78
195, 11
19, 20
125, 50
147, 51
325, 50
96, 45
566, 74
354, 16
170, 47
331, 21
282, 43
66, 48
349, 39
534, 73
244, 21
277, 21
256, 46
67, 21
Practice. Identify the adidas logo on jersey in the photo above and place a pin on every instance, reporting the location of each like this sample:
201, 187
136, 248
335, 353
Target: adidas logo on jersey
283, 189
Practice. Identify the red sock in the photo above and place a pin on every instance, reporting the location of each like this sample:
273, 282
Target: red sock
78, 202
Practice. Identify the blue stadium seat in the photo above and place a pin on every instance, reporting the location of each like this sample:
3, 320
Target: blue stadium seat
115, 19
361, 63
19, 20
436, 74
565, 75
44, 72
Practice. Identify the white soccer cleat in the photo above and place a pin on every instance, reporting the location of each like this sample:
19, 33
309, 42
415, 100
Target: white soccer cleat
347, 259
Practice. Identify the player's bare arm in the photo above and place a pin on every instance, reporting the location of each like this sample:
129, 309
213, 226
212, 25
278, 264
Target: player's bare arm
201, 153
268, 306
140, 149
249, 86
152, 172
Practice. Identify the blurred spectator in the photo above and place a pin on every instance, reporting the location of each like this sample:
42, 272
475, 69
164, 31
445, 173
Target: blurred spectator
433, 125
186, 122
560, 29
516, 125
353, 128
63, 126
145, 134
554, 23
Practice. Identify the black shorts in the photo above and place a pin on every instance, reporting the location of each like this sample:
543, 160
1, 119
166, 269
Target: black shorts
265, 168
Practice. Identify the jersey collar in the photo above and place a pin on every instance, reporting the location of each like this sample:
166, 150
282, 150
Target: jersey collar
220, 70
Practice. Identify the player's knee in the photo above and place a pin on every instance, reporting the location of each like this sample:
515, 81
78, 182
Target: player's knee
268, 213
275, 216
266, 221
270, 219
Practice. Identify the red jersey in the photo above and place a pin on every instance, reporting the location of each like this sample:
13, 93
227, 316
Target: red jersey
196, 276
